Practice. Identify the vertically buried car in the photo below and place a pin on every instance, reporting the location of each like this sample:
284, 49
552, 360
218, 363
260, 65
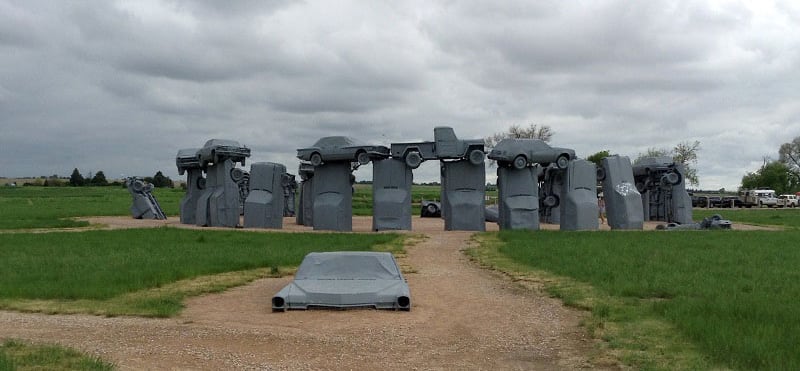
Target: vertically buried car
339, 148
520, 153
345, 279
216, 149
187, 159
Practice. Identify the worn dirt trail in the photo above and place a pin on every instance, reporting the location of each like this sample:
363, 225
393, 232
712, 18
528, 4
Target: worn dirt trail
463, 317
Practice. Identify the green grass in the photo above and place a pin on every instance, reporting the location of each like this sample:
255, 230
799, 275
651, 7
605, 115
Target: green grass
50, 207
733, 295
98, 266
779, 217
15, 355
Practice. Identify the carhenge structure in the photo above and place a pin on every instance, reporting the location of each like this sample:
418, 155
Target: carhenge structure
145, 205
661, 182
623, 200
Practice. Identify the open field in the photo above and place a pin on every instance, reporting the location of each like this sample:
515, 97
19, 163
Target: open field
780, 217
732, 294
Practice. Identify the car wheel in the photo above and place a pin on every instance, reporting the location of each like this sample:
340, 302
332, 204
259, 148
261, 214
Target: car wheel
476, 157
432, 209
673, 178
237, 174
413, 159
201, 183
551, 201
562, 161
601, 174
520, 162
316, 159
362, 158
138, 186
640, 187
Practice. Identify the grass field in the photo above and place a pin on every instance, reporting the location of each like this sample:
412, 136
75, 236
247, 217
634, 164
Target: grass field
50, 207
95, 267
731, 294
780, 217
15, 355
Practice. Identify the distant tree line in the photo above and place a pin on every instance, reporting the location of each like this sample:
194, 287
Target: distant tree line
76, 179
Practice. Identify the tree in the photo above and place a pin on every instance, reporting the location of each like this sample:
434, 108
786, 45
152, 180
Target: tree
99, 179
161, 181
773, 175
543, 132
598, 157
684, 153
790, 154
76, 179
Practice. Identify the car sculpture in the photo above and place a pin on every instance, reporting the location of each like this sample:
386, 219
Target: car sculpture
216, 150
445, 146
345, 279
187, 159
339, 148
520, 153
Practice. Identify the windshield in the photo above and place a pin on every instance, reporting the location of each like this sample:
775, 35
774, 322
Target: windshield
348, 267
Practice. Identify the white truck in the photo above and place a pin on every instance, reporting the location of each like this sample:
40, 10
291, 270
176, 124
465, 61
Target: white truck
787, 200
758, 197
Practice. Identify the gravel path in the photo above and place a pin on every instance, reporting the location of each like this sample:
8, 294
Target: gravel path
463, 317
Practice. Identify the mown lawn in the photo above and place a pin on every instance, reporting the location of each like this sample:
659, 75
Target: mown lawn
733, 294
103, 265
765, 216
50, 207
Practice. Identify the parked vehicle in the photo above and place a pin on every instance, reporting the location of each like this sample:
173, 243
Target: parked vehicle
731, 201
520, 153
787, 200
758, 197
445, 146
216, 149
339, 148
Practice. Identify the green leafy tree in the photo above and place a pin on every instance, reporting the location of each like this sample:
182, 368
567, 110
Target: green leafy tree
76, 179
774, 175
99, 179
161, 181
598, 157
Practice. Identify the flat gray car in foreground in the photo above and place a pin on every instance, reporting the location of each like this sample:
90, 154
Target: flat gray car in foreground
520, 153
345, 279
339, 148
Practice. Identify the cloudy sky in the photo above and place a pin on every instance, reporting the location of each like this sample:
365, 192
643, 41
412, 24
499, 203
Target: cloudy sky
121, 86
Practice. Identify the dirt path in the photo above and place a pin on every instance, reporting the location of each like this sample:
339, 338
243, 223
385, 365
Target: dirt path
463, 317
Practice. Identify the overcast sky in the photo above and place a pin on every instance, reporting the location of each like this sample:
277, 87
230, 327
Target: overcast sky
121, 86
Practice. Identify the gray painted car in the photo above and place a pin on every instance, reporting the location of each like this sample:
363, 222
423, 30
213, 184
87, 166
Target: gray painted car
339, 148
187, 159
520, 153
216, 149
345, 279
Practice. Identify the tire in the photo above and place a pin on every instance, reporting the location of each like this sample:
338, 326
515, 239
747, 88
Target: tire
520, 162
237, 174
432, 209
601, 174
362, 158
551, 201
562, 161
413, 159
476, 157
316, 159
640, 187
138, 186
673, 178
201, 183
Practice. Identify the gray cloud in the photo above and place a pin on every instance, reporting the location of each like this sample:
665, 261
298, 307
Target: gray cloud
121, 86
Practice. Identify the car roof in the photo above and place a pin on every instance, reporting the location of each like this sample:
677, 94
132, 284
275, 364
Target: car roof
348, 265
338, 140
222, 142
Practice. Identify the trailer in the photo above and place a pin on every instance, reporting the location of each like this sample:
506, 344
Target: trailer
758, 197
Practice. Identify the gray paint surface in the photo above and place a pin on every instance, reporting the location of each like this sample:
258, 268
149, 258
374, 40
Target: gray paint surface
305, 203
623, 202
264, 207
195, 183
661, 182
289, 194
391, 195
579, 204
333, 197
219, 204
550, 192
345, 279
518, 197
463, 196
144, 205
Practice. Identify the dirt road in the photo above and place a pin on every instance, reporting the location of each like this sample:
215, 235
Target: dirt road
463, 317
